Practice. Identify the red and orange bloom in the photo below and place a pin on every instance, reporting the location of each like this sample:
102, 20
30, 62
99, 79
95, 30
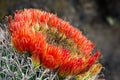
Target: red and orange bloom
52, 42
52, 58
72, 66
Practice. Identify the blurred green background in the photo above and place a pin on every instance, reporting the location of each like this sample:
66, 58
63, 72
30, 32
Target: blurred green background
99, 20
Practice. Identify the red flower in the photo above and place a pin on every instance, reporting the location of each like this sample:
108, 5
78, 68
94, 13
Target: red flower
52, 58
70, 67
21, 39
29, 33
93, 58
